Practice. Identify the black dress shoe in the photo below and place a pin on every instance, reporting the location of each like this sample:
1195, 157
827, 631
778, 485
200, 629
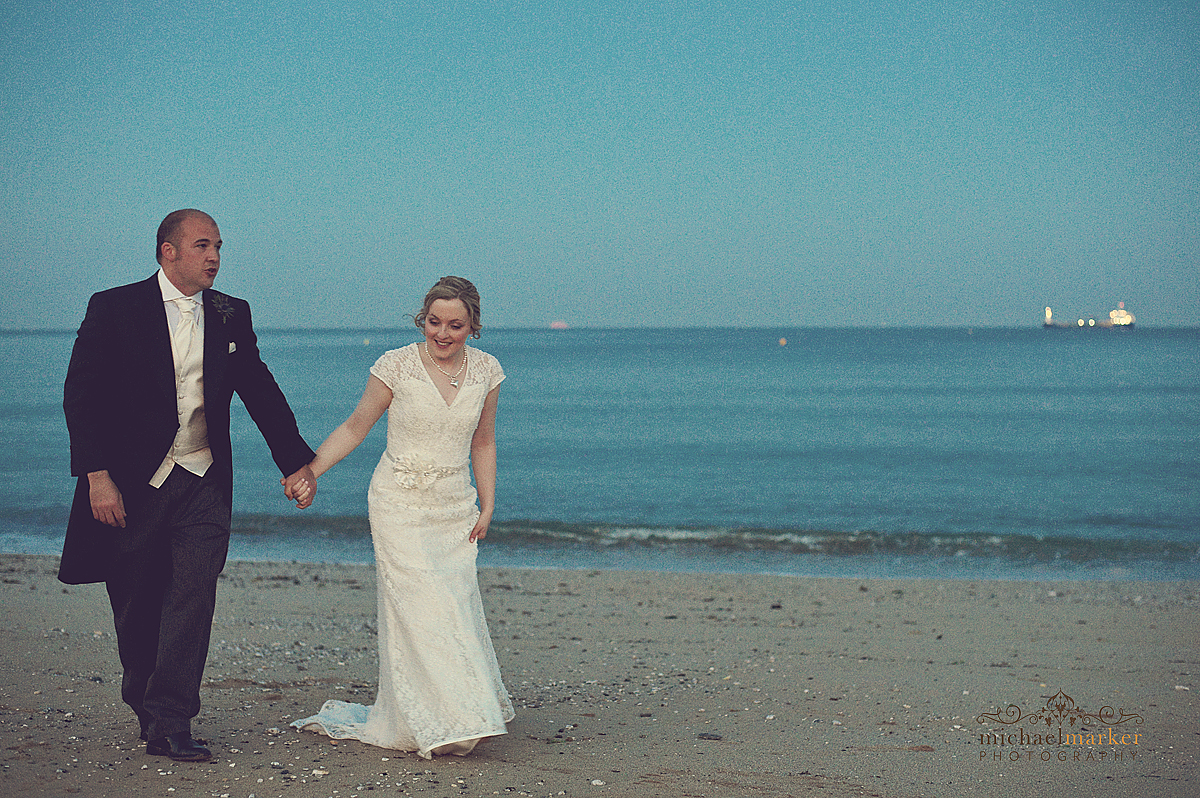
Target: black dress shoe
179, 746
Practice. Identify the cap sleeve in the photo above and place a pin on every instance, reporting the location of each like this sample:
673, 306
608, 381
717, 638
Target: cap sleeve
386, 369
495, 374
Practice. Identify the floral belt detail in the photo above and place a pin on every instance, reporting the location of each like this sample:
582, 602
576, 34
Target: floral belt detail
413, 474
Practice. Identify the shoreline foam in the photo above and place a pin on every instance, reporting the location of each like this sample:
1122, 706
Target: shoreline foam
716, 550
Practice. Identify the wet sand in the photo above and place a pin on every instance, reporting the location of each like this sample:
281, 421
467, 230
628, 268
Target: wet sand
641, 684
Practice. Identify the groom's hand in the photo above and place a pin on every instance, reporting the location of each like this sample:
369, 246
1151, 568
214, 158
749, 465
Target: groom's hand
107, 505
301, 487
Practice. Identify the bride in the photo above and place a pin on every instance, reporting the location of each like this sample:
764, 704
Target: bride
440, 690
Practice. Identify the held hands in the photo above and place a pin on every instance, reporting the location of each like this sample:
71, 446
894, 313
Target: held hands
107, 505
301, 487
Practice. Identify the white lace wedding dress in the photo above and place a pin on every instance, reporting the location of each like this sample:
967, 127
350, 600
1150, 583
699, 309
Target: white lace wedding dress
439, 683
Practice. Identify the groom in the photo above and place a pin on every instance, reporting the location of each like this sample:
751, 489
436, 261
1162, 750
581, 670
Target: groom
147, 397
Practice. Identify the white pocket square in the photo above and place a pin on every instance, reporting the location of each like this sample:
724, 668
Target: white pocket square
232, 347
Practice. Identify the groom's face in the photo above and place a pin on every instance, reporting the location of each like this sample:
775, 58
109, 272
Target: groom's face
192, 261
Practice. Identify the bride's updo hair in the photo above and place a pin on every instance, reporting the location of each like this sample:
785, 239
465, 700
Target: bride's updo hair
454, 288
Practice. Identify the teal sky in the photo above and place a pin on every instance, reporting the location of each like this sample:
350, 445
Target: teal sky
612, 164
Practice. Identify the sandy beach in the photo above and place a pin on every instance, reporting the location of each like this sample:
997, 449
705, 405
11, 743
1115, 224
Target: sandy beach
643, 684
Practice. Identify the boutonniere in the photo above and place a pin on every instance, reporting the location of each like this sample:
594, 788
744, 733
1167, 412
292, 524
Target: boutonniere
221, 305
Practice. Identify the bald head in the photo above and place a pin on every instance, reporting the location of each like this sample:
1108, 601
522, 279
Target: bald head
168, 229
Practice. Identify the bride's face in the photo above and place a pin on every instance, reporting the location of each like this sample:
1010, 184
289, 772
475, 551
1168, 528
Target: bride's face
447, 327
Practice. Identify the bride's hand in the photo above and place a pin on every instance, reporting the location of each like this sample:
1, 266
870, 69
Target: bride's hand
481, 528
300, 487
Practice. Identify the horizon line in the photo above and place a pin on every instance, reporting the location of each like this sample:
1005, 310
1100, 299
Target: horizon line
548, 328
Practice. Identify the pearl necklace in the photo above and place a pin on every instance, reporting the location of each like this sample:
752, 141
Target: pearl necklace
452, 377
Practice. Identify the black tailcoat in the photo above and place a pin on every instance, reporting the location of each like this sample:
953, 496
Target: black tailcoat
121, 413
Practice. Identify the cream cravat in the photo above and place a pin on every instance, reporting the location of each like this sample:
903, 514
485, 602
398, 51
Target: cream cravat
188, 330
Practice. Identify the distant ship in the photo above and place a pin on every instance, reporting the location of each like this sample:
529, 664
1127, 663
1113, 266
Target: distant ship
1117, 319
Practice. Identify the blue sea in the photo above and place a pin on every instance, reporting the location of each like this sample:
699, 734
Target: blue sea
948, 453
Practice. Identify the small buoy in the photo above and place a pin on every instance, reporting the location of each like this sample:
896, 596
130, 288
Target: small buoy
366, 342
783, 342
